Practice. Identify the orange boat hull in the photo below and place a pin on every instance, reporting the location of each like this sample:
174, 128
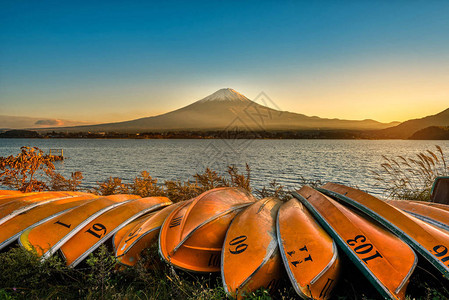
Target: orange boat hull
433, 204
427, 240
309, 254
191, 237
21, 204
12, 197
429, 214
142, 236
104, 226
48, 237
10, 230
251, 257
128, 229
9, 192
384, 259
437, 205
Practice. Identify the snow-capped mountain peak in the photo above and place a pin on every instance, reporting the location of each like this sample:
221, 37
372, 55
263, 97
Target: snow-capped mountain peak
226, 94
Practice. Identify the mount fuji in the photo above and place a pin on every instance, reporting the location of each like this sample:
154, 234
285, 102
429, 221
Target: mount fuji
228, 109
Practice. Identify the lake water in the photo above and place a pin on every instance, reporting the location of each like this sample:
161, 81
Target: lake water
343, 161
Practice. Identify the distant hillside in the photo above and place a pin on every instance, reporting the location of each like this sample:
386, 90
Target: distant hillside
228, 109
19, 134
431, 133
408, 128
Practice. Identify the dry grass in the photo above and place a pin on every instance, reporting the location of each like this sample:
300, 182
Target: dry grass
57, 182
412, 177
144, 185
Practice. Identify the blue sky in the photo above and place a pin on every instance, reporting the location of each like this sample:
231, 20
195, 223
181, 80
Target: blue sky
101, 61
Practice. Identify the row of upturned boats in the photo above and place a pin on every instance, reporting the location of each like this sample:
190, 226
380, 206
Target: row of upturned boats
253, 243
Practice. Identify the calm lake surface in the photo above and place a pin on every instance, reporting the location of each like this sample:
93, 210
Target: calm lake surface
343, 161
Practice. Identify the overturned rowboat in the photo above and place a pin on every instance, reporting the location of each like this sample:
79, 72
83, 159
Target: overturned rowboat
6, 198
309, 254
430, 242
22, 204
251, 257
432, 204
8, 193
100, 229
430, 214
385, 260
13, 228
127, 230
129, 243
192, 235
48, 237
437, 205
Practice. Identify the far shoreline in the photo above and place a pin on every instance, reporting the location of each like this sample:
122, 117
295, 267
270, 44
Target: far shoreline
228, 135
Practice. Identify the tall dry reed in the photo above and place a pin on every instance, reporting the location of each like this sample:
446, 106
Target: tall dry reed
411, 177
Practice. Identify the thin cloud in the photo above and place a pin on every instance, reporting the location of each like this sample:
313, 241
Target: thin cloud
49, 122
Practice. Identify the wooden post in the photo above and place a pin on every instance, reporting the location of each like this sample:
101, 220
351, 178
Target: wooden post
56, 152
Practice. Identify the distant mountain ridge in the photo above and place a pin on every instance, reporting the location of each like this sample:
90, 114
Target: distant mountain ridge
432, 133
408, 128
227, 109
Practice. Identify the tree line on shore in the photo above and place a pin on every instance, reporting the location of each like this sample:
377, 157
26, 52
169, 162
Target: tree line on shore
429, 133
